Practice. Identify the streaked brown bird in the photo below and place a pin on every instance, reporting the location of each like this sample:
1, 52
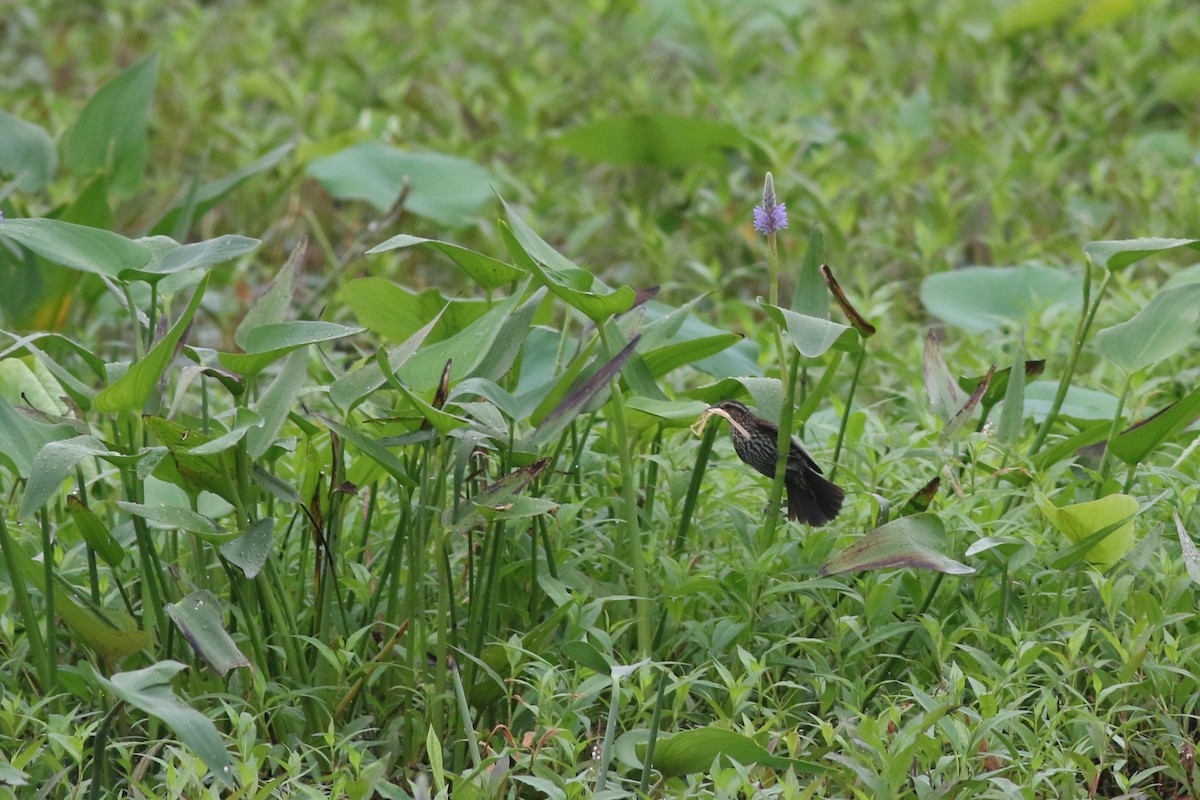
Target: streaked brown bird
812, 498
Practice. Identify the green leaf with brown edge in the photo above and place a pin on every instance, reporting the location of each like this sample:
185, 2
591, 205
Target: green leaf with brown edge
488, 272
1137, 442
79, 247
1104, 527
695, 750
1120, 253
922, 498
149, 689
110, 133
131, 391
915, 542
198, 618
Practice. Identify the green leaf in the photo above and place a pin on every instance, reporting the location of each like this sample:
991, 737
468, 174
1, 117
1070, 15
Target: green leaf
373, 449
273, 305
22, 438
1118, 254
95, 532
266, 344
28, 156
131, 391
54, 462
149, 689
110, 633
1164, 327
110, 134
1133, 445
77, 246
275, 403
588, 656
445, 189
811, 297
193, 473
672, 356
917, 541
981, 298
1013, 416
694, 750
669, 141
396, 313
1191, 556
172, 518
1081, 521
575, 286
484, 270
198, 618
1030, 14
1080, 403
351, 388
945, 395
250, 551
675, 413
813, 336
188, 257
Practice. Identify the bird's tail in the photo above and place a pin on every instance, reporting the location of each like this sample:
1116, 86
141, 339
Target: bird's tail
813, 499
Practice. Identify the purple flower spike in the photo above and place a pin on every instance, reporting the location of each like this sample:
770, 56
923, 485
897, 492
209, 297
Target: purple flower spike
770, 220
770, 216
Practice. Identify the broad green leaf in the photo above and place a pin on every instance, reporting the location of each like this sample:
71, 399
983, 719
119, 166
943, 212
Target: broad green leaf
266, 344
32, 385
396, 313
22, 438
1080, 403
244, 421
467, 349
813, 336
250, 551
443, 421
198, 617
1080, 521
587, 655
351, 388
28, 156
77, 246
484, 270
917, 541
149, 689
95, 532
445, 189
272, 306
1118, 254
669, 141
1133, 445
695, 750
210, 194
53, 463
999, 384
188, 257
190, 472
572, 286
373, 449
766, 392
110, 134
275, 403
675, 413
1164, 327
980, 298
1030, 14
811, 297
1102, 13
131, 391
172, 518
687, 353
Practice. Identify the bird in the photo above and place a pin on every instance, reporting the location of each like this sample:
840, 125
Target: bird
812, 498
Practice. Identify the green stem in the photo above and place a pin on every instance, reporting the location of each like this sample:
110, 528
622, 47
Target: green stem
900, 648
1081, 332
841, 437
773, 294
37, 648
51, 629
1114, 429
784, 444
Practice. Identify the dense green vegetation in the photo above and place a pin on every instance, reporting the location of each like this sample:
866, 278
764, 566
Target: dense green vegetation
348, 450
